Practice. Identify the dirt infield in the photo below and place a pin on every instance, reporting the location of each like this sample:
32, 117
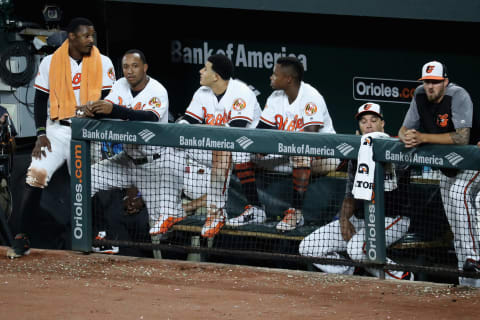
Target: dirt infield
68, 285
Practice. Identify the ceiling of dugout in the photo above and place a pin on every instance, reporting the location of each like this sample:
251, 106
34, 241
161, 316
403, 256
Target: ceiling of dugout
441, 10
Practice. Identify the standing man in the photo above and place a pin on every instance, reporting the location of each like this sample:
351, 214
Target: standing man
444, 113
220, 101
73, 75
348, 233
135, 97
298, 107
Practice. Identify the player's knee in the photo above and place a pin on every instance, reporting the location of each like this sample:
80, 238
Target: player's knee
36, 178
301, 162
355, 250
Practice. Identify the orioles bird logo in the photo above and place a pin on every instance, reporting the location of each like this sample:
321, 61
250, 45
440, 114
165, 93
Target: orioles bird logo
363, 168
310, 109
111, 74
155, 102
430, 69
442, 120
368, 141
239, 104
367, 107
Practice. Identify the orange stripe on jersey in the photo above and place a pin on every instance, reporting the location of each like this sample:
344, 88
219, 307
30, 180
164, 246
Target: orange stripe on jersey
194, 115
268, 122
41, 88
243, 118
106, 87
314, 123
158, 115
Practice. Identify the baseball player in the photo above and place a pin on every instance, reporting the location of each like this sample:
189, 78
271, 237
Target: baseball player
73, 75
136, 97
445, 112
293, 106
348, 233
220, 101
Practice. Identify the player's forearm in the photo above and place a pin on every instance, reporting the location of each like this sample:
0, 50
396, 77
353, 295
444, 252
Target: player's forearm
348, 208
40, 111
119, 112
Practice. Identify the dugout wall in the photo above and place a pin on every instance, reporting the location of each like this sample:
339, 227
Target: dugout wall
430, 251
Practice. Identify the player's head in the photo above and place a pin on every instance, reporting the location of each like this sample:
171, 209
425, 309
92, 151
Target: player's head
81, 36
134, 67
370, 118
435, 80
287, 71
217, 67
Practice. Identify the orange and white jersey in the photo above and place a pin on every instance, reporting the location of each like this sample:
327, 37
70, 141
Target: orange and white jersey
309, 108
238, 103
153, 98
42, 81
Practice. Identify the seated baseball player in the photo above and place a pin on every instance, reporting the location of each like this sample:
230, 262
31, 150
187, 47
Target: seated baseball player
220, 101
135, 97
294, 106
348, 233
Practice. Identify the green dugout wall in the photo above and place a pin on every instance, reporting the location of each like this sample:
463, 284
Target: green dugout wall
349, 58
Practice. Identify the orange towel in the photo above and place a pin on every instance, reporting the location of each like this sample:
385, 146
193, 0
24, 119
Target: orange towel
62, 98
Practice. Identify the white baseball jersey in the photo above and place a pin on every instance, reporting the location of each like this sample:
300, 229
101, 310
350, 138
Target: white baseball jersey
59, 135
153, 98
309, 108
42, 80
238, 103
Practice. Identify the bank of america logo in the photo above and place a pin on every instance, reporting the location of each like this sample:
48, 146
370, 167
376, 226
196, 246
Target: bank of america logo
454, 158
146, 135
345, 148
244, 142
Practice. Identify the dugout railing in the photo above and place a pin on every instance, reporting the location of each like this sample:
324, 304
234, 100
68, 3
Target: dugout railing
426, 248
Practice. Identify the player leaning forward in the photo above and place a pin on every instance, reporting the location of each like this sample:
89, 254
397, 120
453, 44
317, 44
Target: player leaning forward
74, 74
135, 97
220, 101
446, 115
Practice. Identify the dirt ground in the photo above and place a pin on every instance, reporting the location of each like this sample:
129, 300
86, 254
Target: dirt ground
50, 284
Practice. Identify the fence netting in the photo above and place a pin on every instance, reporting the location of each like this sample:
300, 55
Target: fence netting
167, 200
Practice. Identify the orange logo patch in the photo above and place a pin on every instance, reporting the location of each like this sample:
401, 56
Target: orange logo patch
239, 104
442, 120
310, 109
430, 69
111, 74
367, 106
155, 102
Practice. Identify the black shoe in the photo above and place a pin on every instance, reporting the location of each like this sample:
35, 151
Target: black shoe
471, 265
20, 247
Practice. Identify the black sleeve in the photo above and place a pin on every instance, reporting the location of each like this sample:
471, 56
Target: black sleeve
190, 119
263, 125
239, 123
40, 111
119, 112
105, 93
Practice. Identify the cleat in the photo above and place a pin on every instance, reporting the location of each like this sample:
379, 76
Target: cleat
471, 265
20, 247
407, 275
104, 248
164, 223
293, 219
213, 224
252, 214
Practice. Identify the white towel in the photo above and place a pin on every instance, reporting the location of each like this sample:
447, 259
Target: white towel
364, 176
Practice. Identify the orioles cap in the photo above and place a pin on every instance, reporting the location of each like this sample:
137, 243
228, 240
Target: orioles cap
434, 70
369, 107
